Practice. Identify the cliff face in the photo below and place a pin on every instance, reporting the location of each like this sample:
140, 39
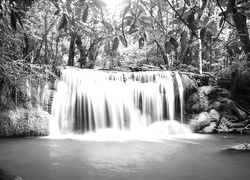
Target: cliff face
22, 109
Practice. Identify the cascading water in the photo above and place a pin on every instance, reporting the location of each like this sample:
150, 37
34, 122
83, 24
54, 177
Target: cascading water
90, 101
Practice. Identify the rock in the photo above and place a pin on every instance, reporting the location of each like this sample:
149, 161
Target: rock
240, 114
240, 147
6, 175
24, 122
210, 129
229, 116
201, 120
223, 125
214, 115
193, 104
215, 105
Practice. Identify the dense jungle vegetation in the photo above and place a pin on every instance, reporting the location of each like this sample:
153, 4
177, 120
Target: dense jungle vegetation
37, 36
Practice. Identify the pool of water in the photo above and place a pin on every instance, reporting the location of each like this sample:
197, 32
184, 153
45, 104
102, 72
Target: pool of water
200, 157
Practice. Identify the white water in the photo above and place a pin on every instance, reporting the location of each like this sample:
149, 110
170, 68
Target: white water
90, 101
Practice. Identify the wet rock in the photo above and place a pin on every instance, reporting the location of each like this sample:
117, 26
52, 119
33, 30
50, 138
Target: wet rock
214, 115
24, 122
193, 104
215, 105
240, 147
229, 116
6, 175
201, 120
210, 129
223, 125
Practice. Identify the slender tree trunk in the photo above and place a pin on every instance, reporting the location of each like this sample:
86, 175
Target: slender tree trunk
241, 26
46, 60
72, 49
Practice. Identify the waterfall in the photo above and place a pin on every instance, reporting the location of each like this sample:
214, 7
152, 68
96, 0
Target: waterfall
89, 100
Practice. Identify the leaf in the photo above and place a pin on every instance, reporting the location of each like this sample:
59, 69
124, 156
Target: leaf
206, 19
174, 42
190, 19
132, 29
203, 32
236, 49
98, 3
19, 19
129, 18
221, 21
204, 3
141, 42
85, 14
181, 11
123, 40
187, 2
229, 51
175, 21
63, 22
167, 46
13, 19
125, 10
183, 39
79, 3
212, 27
115, 44
141, 9
146, 19
108, 26
57, 12
230, 6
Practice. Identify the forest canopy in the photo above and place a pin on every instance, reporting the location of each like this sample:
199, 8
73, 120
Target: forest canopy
37, 36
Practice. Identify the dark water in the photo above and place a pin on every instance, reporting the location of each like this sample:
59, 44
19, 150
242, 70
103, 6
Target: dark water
201, 158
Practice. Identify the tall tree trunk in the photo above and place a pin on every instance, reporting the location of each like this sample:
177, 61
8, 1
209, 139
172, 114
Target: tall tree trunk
72, 49
46, 60
82, 49
241, 26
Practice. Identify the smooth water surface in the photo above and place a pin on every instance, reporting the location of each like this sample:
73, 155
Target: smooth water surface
200, 157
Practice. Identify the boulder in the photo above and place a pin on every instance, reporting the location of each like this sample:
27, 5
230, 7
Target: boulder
223, 125
193, 104
215, 105
23, 122
214, 115
229, 116
198, 122
210, 129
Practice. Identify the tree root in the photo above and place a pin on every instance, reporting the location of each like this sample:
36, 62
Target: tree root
247, 127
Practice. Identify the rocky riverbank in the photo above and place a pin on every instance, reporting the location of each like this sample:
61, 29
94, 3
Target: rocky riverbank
211, 110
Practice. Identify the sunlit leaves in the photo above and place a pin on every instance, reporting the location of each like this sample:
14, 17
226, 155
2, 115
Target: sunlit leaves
187, 2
